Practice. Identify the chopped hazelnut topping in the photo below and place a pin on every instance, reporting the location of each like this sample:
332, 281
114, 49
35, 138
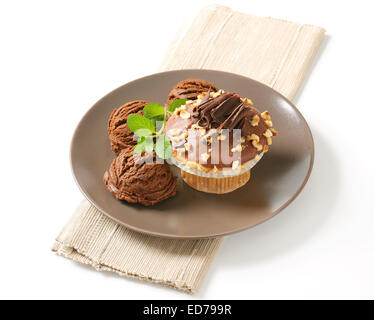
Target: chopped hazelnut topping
180, 109
255, 121
175, 131
274, 132
185, 135
242, 139
269, 123
215, 169
257, 145
269, 141
185, 114
249, 101
254, 137
202, 95
265, 115
235, 165
266, 148
205, 157
222, 137
268, 133
216, 94
195, 126
238, 148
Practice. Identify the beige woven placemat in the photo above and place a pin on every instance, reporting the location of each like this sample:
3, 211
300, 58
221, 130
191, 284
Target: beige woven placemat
272, 51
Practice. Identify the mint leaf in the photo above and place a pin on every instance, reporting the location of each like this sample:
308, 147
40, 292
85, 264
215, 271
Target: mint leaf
140, 125
176, 104
148, 144
163, 147
140, 147
159, 125
143, 132
144, 144
156, 113
154, 110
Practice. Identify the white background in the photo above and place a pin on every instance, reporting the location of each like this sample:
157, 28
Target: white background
57, 58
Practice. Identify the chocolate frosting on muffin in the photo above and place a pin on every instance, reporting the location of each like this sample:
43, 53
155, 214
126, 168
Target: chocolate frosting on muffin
190, 89
131, 178
119, 133
197, 131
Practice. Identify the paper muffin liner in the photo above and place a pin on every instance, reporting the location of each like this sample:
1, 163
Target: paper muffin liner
223, 181
216, 185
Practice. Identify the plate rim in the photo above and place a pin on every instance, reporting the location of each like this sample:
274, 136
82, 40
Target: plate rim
194, 237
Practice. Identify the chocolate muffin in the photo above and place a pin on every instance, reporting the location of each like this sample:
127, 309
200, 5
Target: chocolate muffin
139, 179
190, 89
119, 133
217, 139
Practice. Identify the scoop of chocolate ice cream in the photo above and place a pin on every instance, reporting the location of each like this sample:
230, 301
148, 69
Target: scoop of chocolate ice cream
132, 178
119, 133
190, 89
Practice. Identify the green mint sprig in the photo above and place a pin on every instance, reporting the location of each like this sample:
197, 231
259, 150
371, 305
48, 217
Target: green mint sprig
176, 104
144, 126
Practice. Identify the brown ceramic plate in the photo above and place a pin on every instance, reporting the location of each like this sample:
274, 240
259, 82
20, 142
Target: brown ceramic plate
276, 180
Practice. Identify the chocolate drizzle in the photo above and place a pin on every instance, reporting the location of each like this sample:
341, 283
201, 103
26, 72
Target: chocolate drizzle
226, 111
